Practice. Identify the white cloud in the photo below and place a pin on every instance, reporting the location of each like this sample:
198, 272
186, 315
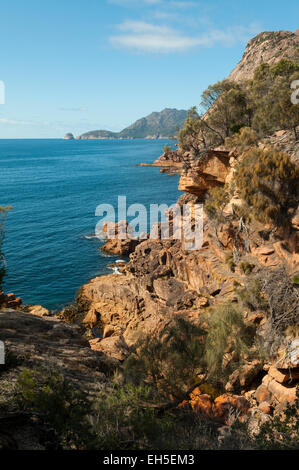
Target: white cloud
146, 37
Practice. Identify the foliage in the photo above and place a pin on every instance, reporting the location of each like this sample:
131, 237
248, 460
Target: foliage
12, 361
227, 108
190, 137
167, 149
216, 201
283, 298
59, 403
268, 182
128, 417
249, 109
243, 140
283, 431
227, 335
251, 296
270, 94
169, 360
123, 418
229, 260
246, 267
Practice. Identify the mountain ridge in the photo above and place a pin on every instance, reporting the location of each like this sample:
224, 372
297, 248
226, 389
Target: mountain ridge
155, 125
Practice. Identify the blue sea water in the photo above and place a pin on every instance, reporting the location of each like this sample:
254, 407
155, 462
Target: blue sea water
54, 187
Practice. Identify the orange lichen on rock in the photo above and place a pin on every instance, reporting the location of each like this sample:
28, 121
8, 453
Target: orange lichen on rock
219, 409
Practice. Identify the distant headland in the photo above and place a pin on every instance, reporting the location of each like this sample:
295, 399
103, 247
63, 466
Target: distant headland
157, 125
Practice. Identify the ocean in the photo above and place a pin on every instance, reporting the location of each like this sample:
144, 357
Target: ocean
54, 186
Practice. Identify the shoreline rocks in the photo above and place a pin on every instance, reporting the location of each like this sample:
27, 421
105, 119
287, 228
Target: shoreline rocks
69, 136
9, 300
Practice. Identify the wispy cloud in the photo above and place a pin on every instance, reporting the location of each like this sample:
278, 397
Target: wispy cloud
142, 36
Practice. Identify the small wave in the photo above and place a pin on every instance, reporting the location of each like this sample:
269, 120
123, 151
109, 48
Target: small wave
91, 236
120, 261
115, 270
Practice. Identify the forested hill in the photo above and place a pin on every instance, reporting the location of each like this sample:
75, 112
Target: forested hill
156, 125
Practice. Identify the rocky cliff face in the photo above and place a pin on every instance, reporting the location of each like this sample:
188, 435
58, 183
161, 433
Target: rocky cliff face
268, 47
163, 280
45, 343
209, 171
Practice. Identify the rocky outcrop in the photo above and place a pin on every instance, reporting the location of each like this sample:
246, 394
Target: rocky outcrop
220, 409
38, 310
9, 300
162, 280
209, 171
43, 344
120, 239
268, 47
69, 136
49, 342
171, 162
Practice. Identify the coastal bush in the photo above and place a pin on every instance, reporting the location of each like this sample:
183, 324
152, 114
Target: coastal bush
229, 260
228, 340
167, 149
283, 298
237, 114
123, 418
56, 401
282, 432
131, 417
243, 140
270, 95
190, 138
12, 361
227, 109
246, 267
268, 182
252, 296
169, 360
215, 203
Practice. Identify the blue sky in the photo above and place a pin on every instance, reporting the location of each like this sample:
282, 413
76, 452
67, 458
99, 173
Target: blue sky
74, 66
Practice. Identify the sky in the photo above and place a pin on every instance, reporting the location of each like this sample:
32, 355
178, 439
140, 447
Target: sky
75, 66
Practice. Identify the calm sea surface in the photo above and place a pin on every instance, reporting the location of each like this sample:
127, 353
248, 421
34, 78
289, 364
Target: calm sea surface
54, 187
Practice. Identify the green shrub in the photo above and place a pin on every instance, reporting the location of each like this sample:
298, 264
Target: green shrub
268, 182
243, 140
12, 361
215, 202
270, 95
246, 267
169, 360
58, 402
167, 149
229, 260
283, 431
227, 334
251, 296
